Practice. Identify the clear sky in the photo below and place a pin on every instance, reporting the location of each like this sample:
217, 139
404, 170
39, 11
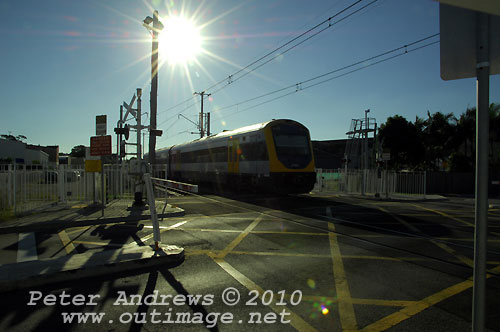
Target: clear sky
64, 62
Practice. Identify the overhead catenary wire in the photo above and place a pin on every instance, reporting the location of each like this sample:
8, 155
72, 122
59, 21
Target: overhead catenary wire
300, 85
295, 45
230, 79
244, 69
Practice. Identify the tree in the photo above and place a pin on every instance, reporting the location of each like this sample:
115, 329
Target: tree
440, 137
11, 137
403, 140
440, 131
78, 151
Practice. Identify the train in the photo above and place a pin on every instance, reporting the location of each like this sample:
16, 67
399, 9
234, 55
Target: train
274, 156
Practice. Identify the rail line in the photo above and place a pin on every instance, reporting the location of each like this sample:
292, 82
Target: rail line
343, 222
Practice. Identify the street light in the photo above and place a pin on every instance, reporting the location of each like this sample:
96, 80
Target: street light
154, 30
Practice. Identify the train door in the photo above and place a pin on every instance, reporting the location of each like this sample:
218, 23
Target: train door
254, 150
233, 156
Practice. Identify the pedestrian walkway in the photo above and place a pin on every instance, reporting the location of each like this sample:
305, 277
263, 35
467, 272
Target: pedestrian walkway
31, 272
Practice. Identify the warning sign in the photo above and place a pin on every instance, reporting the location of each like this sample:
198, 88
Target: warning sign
100, 125
92, 166
100, 145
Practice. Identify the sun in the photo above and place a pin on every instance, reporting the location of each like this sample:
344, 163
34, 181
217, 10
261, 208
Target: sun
180, 40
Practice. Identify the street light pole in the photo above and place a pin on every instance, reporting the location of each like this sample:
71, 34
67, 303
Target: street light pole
155, 30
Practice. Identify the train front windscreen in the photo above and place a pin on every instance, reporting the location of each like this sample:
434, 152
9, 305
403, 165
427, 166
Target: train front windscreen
292, 145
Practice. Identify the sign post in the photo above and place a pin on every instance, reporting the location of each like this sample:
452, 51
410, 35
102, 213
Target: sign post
470, 47
101, 146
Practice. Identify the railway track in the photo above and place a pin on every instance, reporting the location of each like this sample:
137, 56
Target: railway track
306, 208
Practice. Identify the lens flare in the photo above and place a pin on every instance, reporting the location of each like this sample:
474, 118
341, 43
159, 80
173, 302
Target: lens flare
324, 310
180, 40
311, 283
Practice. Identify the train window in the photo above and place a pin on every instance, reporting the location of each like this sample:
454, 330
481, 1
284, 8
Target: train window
292, 145
253, 151
291, 140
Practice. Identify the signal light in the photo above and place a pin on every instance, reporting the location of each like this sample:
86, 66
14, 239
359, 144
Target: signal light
156, 132
123, 131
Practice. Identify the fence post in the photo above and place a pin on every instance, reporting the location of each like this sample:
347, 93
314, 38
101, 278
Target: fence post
425, 183
14, 187
9, 185
25, 185
60, 183
386, 183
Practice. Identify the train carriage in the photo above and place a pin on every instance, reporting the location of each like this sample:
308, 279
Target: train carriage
272, 156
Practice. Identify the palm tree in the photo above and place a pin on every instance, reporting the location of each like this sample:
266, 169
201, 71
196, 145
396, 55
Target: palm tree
440, 131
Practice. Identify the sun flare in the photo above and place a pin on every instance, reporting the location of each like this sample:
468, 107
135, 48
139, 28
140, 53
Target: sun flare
180, 41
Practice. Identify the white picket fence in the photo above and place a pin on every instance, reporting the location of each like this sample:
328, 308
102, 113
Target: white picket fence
376, 182
23, 189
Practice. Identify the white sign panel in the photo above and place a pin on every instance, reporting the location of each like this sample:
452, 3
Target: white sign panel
458, 42
100, 125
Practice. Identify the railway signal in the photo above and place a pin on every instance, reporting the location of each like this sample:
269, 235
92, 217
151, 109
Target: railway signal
125, 131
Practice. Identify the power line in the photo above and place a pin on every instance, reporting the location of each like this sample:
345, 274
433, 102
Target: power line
299, 86
330, 24
287, 43
230, 80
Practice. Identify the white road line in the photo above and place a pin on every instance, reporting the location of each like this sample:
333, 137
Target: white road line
26, 248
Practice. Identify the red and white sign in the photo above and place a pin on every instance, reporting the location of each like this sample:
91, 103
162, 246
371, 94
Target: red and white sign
100, 145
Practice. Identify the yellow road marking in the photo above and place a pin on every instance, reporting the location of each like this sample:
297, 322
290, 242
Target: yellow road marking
376, 302
295, 320
411, 310
208, 230
346, 309
271, 253
239, 238
289, 233
444, 215
443, 246
66, 241
417, 214
285, 254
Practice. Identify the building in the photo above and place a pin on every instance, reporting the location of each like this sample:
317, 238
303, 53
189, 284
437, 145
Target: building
330, 154
51, 150
12, 151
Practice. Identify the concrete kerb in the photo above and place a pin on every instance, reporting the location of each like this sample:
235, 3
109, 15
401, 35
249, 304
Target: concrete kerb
39, 273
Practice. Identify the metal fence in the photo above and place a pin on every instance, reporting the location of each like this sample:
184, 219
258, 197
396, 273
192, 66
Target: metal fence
23, 189
375, 182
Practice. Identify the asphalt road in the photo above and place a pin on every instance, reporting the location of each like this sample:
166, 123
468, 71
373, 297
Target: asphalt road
298, 263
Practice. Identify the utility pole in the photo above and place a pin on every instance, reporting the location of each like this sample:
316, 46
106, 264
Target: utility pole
367, 126
202, 127
155, 30
365, 153
208, 124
